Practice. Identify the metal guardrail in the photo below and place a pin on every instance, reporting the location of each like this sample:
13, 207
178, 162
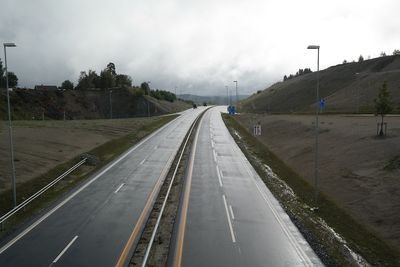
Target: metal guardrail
38, 193
153, 235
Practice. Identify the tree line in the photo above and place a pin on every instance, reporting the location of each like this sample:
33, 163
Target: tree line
108, 78
298, 73
396, 52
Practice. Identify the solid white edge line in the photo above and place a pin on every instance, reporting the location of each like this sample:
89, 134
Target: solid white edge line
229, 220
44, 217
306, 260
65, 249
215, 156
231, 210
219, 176
119, 188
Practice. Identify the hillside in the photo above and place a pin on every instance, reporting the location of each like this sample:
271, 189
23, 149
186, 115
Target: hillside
213, 100
346, 88
29, 104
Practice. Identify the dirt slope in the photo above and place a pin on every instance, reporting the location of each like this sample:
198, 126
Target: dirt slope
29, 104
347, 88
360, 172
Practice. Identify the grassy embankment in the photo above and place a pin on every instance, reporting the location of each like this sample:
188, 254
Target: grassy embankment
332, 252
104, 154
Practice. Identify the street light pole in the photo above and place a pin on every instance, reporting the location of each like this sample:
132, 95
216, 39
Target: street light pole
227, 95
148, 104
13, 184
316, 170
237, 96
111, 112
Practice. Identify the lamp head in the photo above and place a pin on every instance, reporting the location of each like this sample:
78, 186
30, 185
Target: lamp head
313, 47
9, 45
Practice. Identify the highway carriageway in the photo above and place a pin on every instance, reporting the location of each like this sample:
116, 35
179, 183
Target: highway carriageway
226, 215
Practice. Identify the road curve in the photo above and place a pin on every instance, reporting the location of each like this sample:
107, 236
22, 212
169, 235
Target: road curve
228, 217
98, 223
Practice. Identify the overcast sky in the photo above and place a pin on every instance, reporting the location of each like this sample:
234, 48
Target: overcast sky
198, 46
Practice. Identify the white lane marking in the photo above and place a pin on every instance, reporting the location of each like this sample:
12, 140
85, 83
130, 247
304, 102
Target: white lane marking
215, 156
231, 210
119, 188
141, 163
44, 217
65, 249
229, 220
212, 144
156, 147
286, 231
219, 176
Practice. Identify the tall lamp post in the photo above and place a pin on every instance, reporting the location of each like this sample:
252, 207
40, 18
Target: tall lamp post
13, 185
237, 96
316, 169
227, 94
111, 112
148, 104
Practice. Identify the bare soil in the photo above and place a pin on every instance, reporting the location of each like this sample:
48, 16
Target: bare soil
358, 170
42, 145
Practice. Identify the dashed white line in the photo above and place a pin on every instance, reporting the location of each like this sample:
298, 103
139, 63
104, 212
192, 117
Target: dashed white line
231, 210
219, 176
155, 147
215, 156
141, 163
229, 220
119, 188
65, 249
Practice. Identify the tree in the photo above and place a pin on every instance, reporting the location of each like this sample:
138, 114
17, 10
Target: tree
383, 54
396, 52
284, 78
67, 84
345, 61
383, 104
111, 68
107, 79
122, 80
88, 80
145, 87
360, 58
12, 79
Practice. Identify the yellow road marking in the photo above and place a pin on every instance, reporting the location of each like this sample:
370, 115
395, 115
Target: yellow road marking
185, 205
142, 216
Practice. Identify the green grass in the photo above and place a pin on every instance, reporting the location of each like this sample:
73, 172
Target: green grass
393, 164
105, 153
360, 239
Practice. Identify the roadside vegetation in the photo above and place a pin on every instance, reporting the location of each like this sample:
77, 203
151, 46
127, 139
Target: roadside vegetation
100, 156
323, 228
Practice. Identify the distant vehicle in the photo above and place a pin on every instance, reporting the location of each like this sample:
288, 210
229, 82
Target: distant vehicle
205, 104
194, 106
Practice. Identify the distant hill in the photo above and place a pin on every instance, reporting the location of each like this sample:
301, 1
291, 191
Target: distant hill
347, 88
27, 104
212, 100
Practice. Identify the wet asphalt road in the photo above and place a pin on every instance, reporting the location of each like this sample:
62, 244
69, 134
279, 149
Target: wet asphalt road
93, 224
231, 218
